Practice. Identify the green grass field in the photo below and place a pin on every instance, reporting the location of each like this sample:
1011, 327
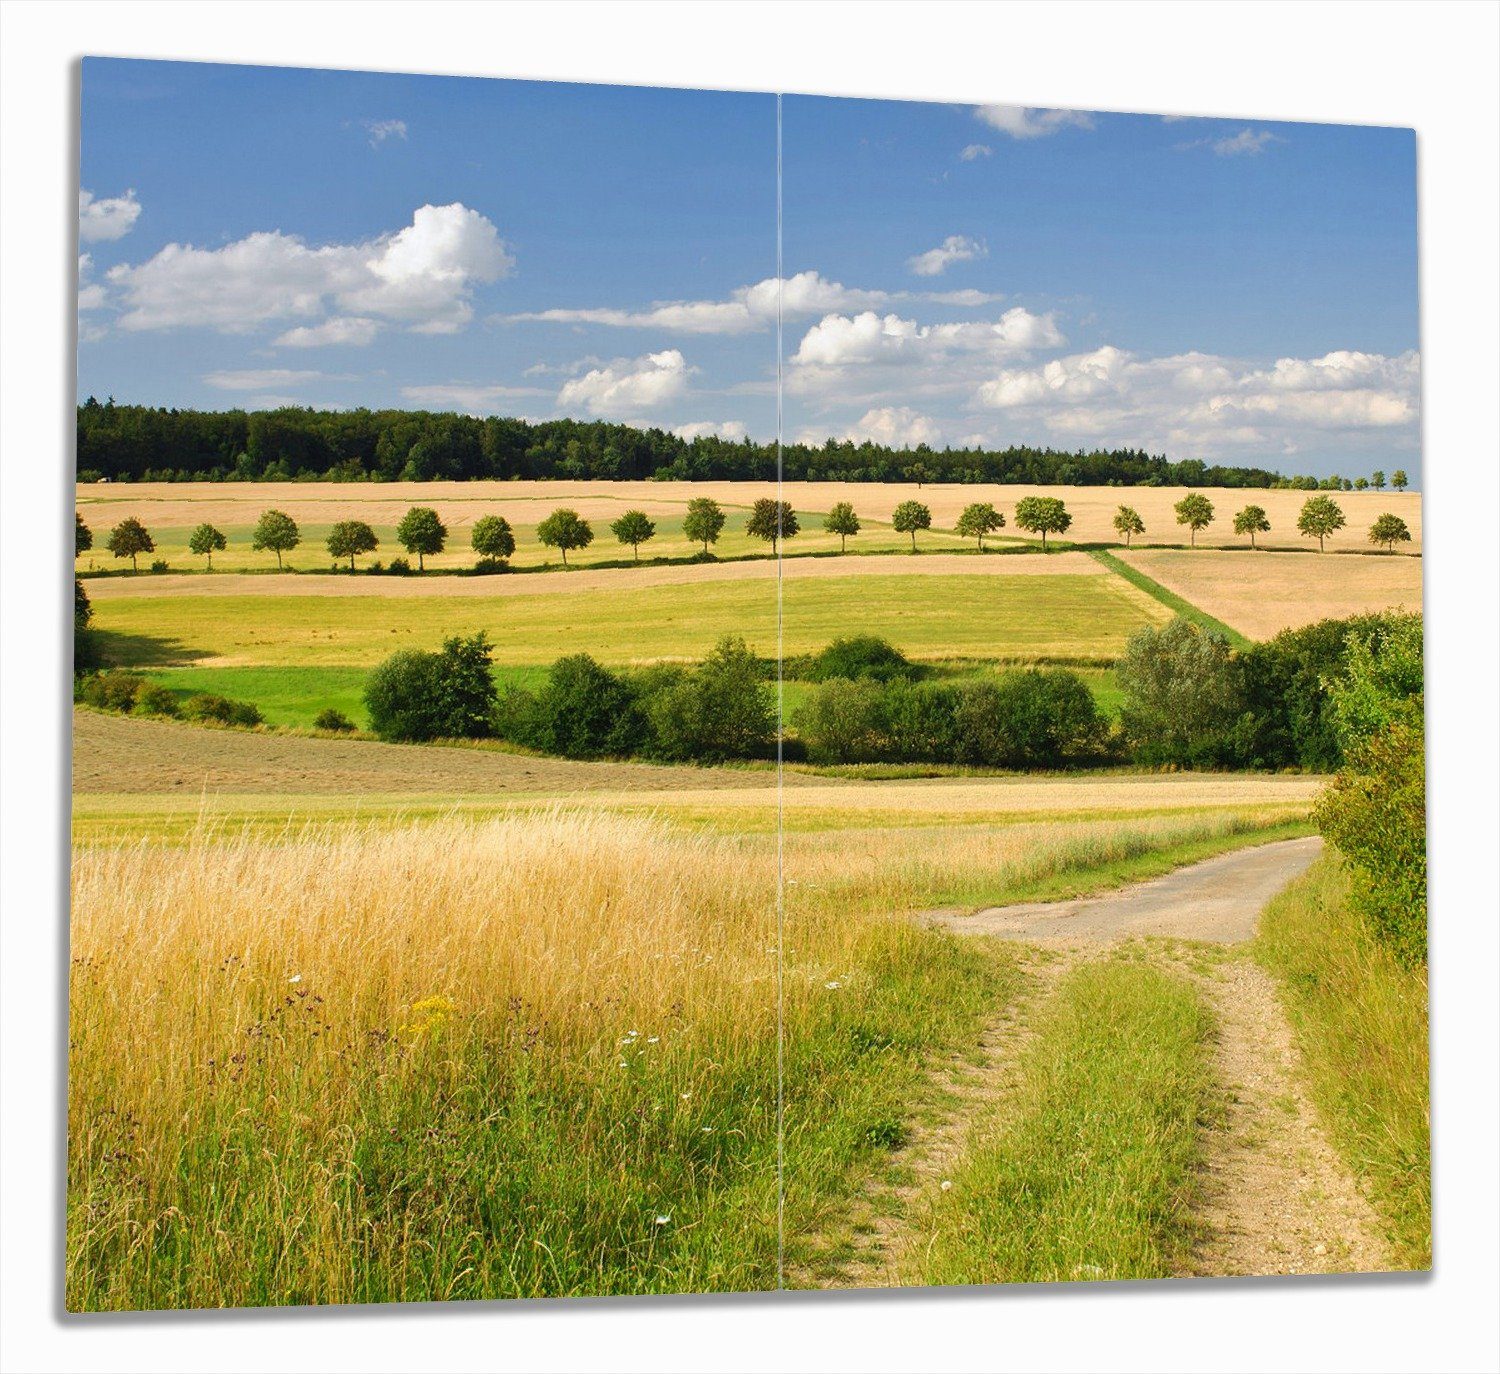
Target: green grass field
944, 615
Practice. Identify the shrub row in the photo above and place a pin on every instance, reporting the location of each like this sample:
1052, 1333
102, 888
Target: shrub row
1031, 718
130, 694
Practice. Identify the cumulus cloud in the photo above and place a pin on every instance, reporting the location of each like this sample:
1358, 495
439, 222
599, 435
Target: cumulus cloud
1204, 401
896, 426
353, 331
716, 429
259, 379
381, 129
839, 341
974, 151
1024, 121
421, 277
103, 221
954, 248
628, 386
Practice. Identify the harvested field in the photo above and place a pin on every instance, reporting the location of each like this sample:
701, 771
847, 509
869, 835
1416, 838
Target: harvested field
1260, 594
234, 506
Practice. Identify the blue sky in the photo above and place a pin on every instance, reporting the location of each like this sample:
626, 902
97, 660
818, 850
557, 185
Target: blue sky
1242, 291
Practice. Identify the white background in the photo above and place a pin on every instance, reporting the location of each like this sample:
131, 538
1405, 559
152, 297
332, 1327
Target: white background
1432, 66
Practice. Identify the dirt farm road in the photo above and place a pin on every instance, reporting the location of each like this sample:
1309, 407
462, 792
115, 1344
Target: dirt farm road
1217, 900
1273, 1196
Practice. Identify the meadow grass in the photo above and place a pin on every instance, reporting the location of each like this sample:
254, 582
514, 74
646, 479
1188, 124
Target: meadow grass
518, 1056
1361, 1026
1086, 1170
978, 616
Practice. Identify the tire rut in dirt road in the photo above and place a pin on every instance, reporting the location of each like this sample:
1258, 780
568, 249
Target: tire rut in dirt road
1277, 1199
868, 1246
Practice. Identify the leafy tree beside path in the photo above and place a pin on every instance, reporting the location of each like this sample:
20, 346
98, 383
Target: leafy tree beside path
422, 532
1042, 515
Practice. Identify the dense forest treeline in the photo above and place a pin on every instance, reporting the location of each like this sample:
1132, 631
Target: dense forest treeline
143, 443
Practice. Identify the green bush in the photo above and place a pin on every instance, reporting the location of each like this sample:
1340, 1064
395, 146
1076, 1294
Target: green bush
488, 567
1375, 811
845, 723
159, 565
153, 699
1030, 719
860, 656
331, 719
1184, 694
211, 708
112, 691
417, 696
721, 710
583, 711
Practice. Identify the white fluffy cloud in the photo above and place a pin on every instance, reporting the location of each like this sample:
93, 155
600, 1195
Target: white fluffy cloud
748, 308
840, 341
1199, 401
422, 277
1024, 121
353, 331
954, 248
1246, 143
102, 221
897, 426
628, 386
718, 429
259, 379
974, 151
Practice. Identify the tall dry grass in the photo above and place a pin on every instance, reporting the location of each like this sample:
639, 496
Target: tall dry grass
515, 1057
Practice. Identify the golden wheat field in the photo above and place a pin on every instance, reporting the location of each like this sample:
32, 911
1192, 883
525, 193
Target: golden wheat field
1263, 593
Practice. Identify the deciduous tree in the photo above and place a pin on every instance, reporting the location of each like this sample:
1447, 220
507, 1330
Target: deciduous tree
635, 527
1389, 530
1042, 515
1195, 511
979, 519
492, 537
565, 529
1251, 520
909, 517
277, 531
772, 520
205, 540
128, 539
1321, 516
1128, 522
842, 521
421, 532
351, 537
704, 521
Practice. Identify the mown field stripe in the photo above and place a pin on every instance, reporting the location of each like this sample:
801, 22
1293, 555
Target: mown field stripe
1178, 605
1087, 1169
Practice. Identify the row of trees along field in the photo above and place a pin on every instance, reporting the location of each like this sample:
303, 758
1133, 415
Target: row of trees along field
423, 533
142, 443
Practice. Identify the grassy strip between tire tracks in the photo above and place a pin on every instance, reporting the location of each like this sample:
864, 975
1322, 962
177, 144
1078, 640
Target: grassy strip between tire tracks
1361, 1026
1086, 1170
